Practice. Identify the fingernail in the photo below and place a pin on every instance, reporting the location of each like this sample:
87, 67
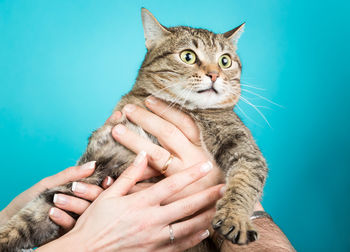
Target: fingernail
78, 187
88, 166
59, 199
206, 167
129, 108
139, 158
109, 181
222, 190
119, 129
205, 234
151, 100
53, 212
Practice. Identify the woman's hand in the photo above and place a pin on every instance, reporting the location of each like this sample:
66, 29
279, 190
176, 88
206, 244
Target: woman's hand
139, 221
178, 135
68, 175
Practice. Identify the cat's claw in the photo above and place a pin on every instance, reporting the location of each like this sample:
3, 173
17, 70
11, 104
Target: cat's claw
239, 230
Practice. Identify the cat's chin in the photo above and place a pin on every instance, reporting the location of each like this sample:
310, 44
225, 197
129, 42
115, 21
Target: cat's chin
205, 100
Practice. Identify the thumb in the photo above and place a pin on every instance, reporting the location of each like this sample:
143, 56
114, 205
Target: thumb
130, 176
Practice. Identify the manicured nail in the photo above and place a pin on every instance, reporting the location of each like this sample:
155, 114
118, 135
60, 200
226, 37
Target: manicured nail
78, 187
205, 234
119, 129
60, 199
109, 181
151, 100
88, 166
206, 167
222, 190
54, 213
129, 108
139, 158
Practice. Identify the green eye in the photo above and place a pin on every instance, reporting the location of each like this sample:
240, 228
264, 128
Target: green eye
188, 57
225, 61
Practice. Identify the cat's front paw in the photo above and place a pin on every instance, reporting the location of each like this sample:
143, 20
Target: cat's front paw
234, 227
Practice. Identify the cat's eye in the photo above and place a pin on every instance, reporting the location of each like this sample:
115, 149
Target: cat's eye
225, 61
188, 57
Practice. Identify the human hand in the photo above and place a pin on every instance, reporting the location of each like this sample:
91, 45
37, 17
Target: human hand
178, 135
68, 175
138, 221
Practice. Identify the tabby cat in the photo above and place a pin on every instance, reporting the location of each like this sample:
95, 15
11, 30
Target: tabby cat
180, 58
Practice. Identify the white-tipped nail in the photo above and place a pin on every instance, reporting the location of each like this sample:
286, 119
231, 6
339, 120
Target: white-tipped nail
206, 167
139, 158
222, 190
53, 212
205, 234
78, 187
88, 166
129, 108
109, 181
59, 199
151, 100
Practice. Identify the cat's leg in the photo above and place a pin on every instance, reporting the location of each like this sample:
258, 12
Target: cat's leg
31, 226
244, 184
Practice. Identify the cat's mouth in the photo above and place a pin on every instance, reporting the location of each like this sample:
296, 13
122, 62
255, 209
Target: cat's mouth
211, 89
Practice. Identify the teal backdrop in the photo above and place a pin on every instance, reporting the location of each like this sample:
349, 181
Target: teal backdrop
65, 64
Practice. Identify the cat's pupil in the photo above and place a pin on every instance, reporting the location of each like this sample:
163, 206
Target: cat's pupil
188, 57
224, 61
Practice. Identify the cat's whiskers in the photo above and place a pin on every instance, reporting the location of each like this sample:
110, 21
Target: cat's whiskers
240, 109
172, 103
262, 97
162, 89
257, 109
184, 101
250, 86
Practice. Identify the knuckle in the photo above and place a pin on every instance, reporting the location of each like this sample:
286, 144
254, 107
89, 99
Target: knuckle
172, 186
158, 154
169, 130
189, 209
187, 121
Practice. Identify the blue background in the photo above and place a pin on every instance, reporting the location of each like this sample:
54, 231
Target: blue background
65, 64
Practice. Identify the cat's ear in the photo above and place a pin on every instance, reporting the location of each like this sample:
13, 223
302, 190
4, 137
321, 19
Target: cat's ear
235, 33
154, 31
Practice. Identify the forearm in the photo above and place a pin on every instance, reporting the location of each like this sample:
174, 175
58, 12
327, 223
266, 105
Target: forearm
271, 238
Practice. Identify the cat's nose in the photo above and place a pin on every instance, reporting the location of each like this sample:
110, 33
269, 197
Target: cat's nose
213, 76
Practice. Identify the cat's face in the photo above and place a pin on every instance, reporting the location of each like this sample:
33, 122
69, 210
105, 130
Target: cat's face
194, 68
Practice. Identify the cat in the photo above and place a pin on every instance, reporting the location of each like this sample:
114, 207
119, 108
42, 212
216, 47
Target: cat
179, 58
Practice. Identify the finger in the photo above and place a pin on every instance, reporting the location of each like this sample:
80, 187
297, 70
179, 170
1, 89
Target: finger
68, 175
107, 182
61, 218
175, 183
157, 155
149, 173
180, 119
193, 225
139, 187
70, 203
187, 242
130, 176
114, 118
192, 204
168, 135
86, 191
